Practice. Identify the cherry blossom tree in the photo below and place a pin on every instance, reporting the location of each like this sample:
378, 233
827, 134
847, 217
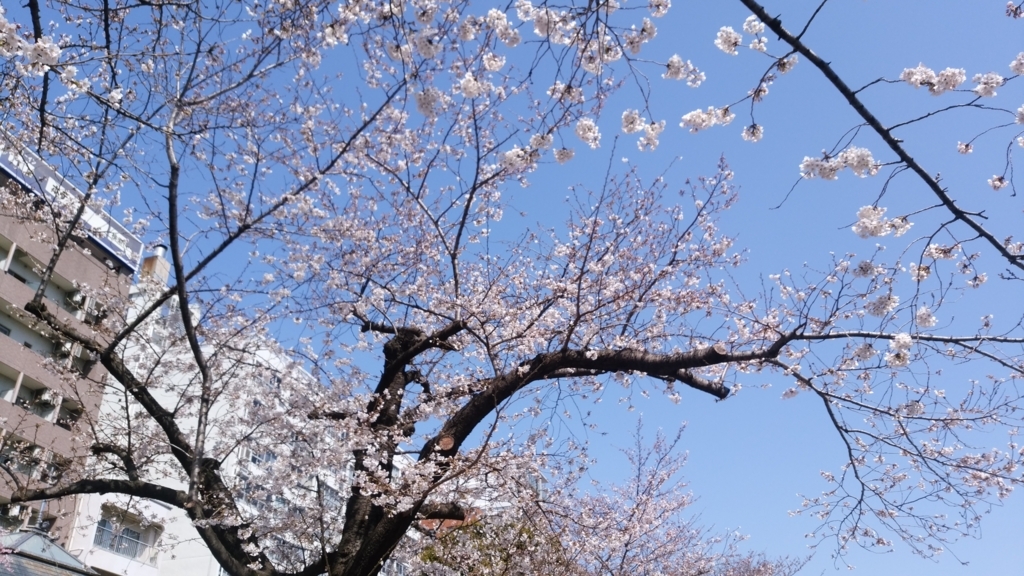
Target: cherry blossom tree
335, 176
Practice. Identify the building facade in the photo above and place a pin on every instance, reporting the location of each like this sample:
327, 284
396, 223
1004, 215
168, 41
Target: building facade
49, 388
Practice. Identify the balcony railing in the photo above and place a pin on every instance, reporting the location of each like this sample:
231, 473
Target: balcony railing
126, 542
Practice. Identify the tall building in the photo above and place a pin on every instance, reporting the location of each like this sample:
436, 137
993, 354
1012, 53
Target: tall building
116, 535
42, 408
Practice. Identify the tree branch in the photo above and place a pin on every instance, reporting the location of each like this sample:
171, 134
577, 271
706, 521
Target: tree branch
894, 144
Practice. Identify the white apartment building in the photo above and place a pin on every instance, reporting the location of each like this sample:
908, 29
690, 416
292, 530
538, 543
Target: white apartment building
115, 535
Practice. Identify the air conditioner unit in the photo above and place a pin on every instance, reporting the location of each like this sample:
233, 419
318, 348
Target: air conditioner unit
49, 397
13, 511
75, 299
63, 349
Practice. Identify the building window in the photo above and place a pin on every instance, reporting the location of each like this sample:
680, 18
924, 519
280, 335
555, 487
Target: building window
123, 541
394, 568
5, 330
263, 458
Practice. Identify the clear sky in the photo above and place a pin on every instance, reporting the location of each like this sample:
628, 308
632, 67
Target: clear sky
751, 455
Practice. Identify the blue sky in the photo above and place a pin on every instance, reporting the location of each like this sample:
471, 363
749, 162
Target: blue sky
750, 455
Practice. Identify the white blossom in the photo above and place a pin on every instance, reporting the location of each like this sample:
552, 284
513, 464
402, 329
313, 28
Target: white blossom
859, 160
42, 54
752, 25
541, 141
937, 252
702, 119
753, 133
1017, 66
924, 317
468, 29
855, 158
493, 62
728, 40
659, 8
786, 64
987, 83
867, 269
901, 342
427, 43
948, 79
759, 44
632, 121
563, 155
115, 96
864, 352
567, 93
473, 88
978, 280
11, 43
870, 222
882, 305
587, 131
428, 101
998, 182
519, 159
964, 147
649, 141
913, 408
1020, 115
897, 359
524, 10
920, 273
677, 69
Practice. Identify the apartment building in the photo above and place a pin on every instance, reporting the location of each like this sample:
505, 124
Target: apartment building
42, 409
116, 535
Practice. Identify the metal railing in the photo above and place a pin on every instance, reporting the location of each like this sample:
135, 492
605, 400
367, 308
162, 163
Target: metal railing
125, 542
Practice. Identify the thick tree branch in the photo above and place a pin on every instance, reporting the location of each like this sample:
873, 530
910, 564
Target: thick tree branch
139, 488
443, 511
126, 458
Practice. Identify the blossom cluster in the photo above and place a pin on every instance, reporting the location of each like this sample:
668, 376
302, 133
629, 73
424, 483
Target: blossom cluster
632, 122
40, 55
587, 131
987, 84
753, 133
677, 69
871, 222
855, 158
703, 119
948, 79
899, 354
728, 40
636, 39
649, 141
882, 305
924, 317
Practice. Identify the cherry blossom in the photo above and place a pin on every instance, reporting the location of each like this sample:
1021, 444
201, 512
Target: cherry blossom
753, 133
586, 130
944, 81
728, 40
924, 317
703, 119
987, 84
680, 70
